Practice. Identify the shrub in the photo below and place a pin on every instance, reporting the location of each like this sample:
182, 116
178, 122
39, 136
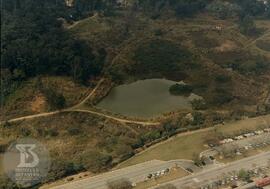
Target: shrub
52, 132
73, 131
223, 78
247, 26
198, 118
198, 104
56, 100
95, 161
150, 136
186, 8
244, 175
223, 9
61, 168
161, 57
180, 89
120, 184
25, 132
221, 96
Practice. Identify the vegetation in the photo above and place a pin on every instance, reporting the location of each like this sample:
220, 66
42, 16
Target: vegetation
120, 184
223, 78
244, 175
221, 96
35, 43
180, 89
96, 146
223, 9
182, 8
247, 25
161, 57
198, 104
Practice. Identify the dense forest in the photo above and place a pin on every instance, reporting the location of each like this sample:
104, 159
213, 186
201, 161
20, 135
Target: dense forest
35, 43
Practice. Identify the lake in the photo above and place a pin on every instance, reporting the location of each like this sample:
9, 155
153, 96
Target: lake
145, 98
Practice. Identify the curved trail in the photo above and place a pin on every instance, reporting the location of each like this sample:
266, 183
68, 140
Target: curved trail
116, 118
90, 95
75, 109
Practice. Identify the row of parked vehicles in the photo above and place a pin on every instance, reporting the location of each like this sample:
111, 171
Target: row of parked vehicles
158, 174
246, 135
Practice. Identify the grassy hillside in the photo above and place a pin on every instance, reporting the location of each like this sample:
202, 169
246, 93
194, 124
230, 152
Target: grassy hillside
225, 66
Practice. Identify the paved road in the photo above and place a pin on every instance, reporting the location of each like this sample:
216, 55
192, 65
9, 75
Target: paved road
136, 173
205, 176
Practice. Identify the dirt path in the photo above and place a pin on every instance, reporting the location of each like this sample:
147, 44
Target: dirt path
146, 123
255, 40
90, 95
76, 109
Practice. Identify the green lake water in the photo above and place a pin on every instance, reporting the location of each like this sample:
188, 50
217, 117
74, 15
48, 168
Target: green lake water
145, 98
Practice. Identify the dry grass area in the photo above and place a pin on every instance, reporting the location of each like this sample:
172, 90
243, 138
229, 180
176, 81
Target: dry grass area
185, 146
28, 99
73, 92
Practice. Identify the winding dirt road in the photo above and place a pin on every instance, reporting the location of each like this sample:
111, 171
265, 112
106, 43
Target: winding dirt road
76, 109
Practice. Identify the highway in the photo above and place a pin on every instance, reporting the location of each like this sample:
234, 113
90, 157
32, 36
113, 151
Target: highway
205, 176
135, 174
138, 173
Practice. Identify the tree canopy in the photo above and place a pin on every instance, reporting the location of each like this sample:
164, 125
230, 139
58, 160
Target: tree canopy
33, 42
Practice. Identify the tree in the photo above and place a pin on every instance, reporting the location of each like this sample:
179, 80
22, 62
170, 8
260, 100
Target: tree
98, 161
244, 175
247, 25
198, 118
34, 43
251, 7
187, 8
198, 104
180, 89
55, 99
223, 9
